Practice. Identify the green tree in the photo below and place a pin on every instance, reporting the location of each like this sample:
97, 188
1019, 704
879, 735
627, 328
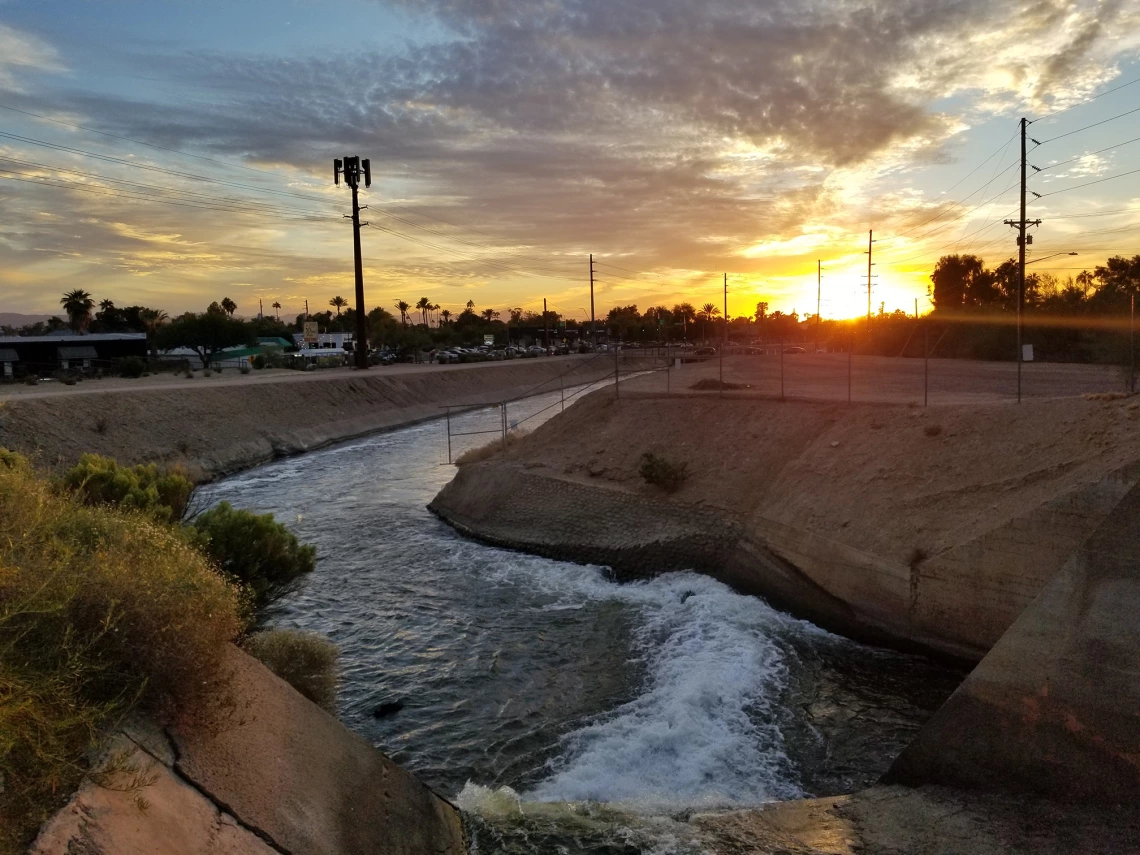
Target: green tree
78, 305
254, 550
961, 281
206, 334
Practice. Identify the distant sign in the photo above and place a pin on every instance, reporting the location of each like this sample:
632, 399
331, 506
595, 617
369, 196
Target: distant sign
489, 339
311, 334
1027, 353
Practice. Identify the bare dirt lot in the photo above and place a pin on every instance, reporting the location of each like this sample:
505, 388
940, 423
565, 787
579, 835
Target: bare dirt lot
824, 377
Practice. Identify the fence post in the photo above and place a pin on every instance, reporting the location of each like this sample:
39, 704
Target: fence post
850, 348
668, 376
562, 392
504, 415
781, 370
925, 365
617, 378
1132, 347
448, 434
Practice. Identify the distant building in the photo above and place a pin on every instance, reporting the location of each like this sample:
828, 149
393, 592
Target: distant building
43, 354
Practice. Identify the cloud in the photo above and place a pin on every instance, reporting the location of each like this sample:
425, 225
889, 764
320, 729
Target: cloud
22, 51
670, 133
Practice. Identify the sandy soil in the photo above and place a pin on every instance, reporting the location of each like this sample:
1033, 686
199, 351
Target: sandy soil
823, 377
912, 477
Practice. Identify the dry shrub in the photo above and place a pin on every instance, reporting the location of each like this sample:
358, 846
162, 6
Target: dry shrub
486, 452
1105, 396
932, 430
162, 493
102, 613
662, 472
711, 384
304, 660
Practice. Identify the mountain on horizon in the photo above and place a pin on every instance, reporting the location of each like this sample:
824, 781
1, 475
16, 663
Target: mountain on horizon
16, 319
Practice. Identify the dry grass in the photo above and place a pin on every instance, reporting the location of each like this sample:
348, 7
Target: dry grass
1105, 396
304, 660
932, 430
486, 452
102, 613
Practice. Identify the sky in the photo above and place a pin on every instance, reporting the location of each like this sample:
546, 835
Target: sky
173, 153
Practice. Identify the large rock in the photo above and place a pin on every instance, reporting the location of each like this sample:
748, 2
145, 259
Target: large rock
280, 776
1055, 705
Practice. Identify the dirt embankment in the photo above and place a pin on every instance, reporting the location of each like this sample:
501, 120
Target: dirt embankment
930, 526
218, 426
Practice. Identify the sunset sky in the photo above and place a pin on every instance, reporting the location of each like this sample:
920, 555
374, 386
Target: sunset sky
179, 152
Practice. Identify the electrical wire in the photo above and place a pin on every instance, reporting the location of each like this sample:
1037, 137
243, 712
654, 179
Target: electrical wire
1090, 183
1093, 125
1086, 101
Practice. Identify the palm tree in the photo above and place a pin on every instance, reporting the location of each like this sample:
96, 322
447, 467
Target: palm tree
403, 306
152, 319
434, 307
338, 303
423, 304
446, 315
106, 306
229, 306
708, 312
489, 314
277, 309
78, 305
471, 305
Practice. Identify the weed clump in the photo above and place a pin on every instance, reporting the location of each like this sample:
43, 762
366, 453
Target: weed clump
161, 493
102, 613
932, 430
304, 660
254, 550
132, 366
662, 472
486, 452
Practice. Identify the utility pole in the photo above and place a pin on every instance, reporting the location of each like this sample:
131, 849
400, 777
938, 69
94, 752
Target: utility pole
818, 298
352, 168
545, 325
724, 345
593, 323
870, 242
1022, 239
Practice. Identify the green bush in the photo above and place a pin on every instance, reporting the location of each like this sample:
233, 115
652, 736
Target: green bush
255, 551
132, 366
101, 614
161, 493
304, 660
259, 361
663, 473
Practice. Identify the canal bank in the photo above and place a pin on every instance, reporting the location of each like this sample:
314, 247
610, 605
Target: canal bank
216, 425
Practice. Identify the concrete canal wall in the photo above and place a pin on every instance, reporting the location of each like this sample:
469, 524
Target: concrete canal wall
1054, 707
920, 527
280, 775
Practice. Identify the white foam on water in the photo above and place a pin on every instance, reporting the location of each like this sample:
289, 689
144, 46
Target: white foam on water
703, 731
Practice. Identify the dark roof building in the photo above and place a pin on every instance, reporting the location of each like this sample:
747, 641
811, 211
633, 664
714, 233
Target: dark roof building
46, 353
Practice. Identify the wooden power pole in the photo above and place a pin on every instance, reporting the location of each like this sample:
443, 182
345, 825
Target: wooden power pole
352, 168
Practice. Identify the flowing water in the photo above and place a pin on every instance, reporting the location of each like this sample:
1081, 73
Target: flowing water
564, 711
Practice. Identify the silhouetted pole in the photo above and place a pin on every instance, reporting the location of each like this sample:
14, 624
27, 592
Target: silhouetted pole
352, 168
725, 343
617, 378
545, 325
448, 417
593, 323
818, 298
1021, 225
870, 242
1132, 347
850, 348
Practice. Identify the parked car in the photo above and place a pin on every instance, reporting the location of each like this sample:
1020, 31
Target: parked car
705, 351
535, 350
795, 348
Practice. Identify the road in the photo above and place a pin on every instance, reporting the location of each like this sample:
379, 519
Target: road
231, 377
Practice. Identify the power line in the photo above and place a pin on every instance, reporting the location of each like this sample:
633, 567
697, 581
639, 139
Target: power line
1093, 125
1089, 183
1088, 154
1086, 101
